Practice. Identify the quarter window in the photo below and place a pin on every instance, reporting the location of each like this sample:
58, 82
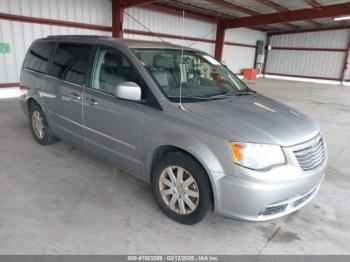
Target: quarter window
71, 62
38, 57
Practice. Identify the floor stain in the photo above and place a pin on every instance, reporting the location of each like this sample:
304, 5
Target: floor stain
287, 236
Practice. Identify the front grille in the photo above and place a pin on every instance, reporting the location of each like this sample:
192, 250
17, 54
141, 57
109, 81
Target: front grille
312, 155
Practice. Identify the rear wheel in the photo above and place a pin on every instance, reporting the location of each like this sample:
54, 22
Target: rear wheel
181, 188
39, 126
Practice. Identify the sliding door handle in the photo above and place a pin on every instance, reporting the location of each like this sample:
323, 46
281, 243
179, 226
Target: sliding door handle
74, 96
91, 101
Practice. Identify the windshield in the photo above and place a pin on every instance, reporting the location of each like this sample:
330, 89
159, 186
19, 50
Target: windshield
200, 75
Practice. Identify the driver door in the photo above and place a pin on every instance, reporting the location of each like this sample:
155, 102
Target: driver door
113, 126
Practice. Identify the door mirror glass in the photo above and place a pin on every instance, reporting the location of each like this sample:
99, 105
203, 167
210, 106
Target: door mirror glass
128, 91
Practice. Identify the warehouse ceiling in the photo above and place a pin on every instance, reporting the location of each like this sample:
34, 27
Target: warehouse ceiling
284, 14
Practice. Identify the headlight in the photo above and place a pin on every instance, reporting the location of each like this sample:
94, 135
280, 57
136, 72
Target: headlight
256, 156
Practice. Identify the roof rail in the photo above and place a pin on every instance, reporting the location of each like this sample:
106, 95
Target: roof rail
78, 36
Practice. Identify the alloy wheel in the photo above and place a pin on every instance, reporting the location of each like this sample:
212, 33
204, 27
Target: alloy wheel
37, 124
179, 190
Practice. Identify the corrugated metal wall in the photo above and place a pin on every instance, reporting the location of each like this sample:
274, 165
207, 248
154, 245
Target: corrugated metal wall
236, 57
20, 35
239, 57
83, 11
321, 63
144, 20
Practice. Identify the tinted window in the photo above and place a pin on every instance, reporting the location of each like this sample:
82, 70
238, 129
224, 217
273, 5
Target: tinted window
71, 62
111, 68
38, 56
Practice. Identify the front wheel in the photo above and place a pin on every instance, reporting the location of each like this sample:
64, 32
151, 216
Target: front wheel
181, 188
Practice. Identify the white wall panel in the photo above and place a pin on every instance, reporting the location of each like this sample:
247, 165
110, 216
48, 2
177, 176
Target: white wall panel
237, 57
244, 36
320, 39
168, 24
309, 63
82, 11
20, 35
148, 20
205, 47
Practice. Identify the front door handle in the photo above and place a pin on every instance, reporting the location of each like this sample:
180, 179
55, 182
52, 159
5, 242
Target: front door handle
74, 96
91, 101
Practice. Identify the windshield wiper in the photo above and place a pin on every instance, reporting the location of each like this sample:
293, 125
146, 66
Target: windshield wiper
192, 97
230, 94
244, 93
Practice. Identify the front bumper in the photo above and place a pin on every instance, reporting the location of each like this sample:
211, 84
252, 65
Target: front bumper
260, 202
259, 196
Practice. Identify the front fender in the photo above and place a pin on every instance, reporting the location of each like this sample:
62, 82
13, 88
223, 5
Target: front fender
194, 146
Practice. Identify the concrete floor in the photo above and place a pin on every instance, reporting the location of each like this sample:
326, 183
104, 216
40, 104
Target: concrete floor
58, 200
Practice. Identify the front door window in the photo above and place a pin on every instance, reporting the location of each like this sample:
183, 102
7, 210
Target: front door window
111, 68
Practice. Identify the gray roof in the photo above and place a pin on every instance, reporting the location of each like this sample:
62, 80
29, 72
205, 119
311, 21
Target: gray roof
131, 43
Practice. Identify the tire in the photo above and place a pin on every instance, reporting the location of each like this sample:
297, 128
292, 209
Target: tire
173, 164
45, 137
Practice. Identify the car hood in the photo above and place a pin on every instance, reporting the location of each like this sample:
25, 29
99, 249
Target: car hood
256, 118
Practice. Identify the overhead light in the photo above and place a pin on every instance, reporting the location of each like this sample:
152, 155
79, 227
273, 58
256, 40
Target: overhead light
342, 18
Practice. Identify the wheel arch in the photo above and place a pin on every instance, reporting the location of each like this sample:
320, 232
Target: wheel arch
30, 102
164, 149
34, 98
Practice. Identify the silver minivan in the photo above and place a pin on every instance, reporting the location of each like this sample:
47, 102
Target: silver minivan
177, 118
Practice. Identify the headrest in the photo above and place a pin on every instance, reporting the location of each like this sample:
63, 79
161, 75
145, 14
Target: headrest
111, 60
166, 62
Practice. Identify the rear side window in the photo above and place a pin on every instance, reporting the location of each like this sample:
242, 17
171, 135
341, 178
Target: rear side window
71, 62
38, 57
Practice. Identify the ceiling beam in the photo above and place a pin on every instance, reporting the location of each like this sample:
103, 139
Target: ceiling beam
198, 13
191, 11
281, 8
272, 5
317, 5
132, 3
178, 12
243, 10
290, 16
266, 28
220, 41
313, 3
234, 6
117, 19
197, 9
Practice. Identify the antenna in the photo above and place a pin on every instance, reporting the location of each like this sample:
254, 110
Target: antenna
182, 55
202, 36
145, 27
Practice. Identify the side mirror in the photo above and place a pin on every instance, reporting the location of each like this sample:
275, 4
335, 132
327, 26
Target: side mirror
128, 91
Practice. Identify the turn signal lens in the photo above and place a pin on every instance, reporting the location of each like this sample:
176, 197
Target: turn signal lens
256, 156
236, 150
